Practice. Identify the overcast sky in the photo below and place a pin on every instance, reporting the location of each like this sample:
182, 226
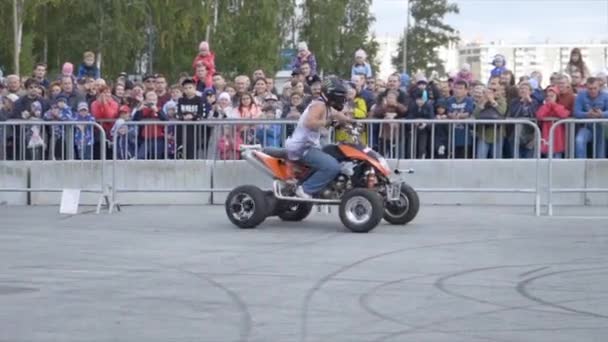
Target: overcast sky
515, 21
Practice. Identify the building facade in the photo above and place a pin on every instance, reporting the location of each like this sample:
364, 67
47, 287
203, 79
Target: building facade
523, 59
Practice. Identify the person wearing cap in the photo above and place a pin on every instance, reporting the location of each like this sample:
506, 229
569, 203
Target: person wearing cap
149, 82
304, 55
546, 114
60, 111
361, 66
83, 134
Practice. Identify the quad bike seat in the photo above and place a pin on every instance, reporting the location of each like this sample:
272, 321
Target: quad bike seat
275, 152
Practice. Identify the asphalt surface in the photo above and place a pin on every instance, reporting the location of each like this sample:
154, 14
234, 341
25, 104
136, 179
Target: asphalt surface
186, 274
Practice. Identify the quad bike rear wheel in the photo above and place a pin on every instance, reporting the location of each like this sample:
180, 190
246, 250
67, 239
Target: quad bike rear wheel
293, 211
405, 209
361, 210
246, 206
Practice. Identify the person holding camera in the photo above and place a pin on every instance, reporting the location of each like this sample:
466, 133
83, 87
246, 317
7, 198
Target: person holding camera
152, 145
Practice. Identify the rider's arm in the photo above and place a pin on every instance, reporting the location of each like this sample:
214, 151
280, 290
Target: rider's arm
341, 117
316, 117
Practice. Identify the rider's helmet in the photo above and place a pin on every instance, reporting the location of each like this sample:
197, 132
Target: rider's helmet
334, 92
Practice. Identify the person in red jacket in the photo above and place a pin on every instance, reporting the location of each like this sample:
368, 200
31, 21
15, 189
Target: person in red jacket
547, 114
105, 109
153, 143
207, 58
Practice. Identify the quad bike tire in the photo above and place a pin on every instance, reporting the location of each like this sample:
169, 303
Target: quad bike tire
361, 210
293, 211
246, 206
406, 210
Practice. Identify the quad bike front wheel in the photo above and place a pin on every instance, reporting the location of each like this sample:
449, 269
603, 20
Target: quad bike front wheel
405, 209
246, 206
361, 210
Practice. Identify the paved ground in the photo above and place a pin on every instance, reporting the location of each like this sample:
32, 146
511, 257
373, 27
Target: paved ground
185, 274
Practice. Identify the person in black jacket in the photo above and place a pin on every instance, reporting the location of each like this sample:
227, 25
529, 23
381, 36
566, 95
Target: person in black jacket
419, 134
190, 108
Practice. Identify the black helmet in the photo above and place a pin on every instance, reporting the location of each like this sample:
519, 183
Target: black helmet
335, 92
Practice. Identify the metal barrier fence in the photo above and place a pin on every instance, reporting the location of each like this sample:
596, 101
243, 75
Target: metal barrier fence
589, 131
219, 140
43, 141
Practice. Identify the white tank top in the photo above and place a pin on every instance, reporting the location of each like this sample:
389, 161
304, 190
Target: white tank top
303, 138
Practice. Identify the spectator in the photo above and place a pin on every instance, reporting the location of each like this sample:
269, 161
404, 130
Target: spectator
286, 93
67, 70
240, 86
207, 58
460, 107
230, 90
361, 66
368, 96
227, 137
500, 65
73, 96
591, 104
137, 96
419, 134
7, 103
306, 73
508, 82
578, 82
576, 63
118, 94
124, 79
88, 68
546, 114
83, 133
270, 85
465, 74
524, 107
272, 100
441, 130
149, 83
355, 108
153, 143
124, 135
297, 87
219, 83
105, 109
537, 92
304, 55
176, 94
200, 78
394, 83
54, 90
490, 104
39, 74
603, 79
190, 108
260, 91
259, 74
60, 111
389, 108
566, 96
269, 135
161, 91
13, 85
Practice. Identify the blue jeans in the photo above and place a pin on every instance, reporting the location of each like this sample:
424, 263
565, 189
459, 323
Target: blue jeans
484, 147
326, 169
584, 136
151, 148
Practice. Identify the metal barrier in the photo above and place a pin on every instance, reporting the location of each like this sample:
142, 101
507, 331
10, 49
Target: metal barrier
157, 141
597, 138
31, 141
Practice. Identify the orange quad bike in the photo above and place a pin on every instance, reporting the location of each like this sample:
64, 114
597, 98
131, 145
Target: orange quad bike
366, 190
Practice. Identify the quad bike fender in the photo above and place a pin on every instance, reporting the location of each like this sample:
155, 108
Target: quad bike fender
353, 153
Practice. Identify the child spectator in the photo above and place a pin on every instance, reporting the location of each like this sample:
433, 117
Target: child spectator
67, 70
465, 74
460, 107
153, 144
576, 63
60, 111
250, 111
546, 114
83, 134
269, 135
361, 66
124, 135
304, 55
176, 94
34, 134
171, 110
441, 131
207, 58
88, 68
500, 65
421, 110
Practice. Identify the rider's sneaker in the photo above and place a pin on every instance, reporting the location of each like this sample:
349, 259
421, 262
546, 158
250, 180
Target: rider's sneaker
301, 194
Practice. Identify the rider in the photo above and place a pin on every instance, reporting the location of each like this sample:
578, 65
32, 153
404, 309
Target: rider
304, 144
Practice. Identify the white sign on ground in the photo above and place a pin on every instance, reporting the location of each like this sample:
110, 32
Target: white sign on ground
70, 199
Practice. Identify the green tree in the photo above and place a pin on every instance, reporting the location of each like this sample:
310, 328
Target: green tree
335, 29
428, 33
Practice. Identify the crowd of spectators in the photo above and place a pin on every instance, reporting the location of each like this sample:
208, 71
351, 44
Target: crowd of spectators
204, 95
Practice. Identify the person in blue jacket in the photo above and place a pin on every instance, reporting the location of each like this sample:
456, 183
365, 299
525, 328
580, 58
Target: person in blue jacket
591, 104
460, 107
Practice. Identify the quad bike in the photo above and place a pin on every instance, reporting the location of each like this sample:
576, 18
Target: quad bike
366, 190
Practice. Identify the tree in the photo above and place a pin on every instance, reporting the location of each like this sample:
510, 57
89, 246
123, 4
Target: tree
428, 33
335, 29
